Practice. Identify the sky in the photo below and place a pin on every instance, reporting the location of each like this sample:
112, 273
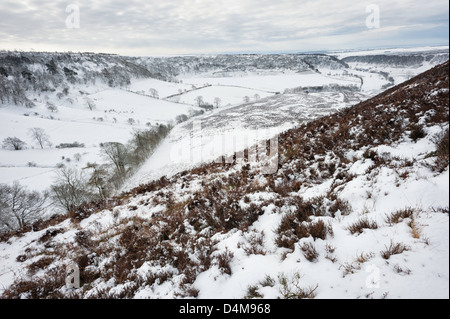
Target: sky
176, 27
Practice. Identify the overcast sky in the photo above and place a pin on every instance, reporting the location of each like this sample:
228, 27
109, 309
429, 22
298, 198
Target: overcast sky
165, 27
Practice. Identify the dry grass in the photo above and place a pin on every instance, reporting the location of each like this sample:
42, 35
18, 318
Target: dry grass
393, 249
353, 267
415, 229
360, 225
291, 288
399, 215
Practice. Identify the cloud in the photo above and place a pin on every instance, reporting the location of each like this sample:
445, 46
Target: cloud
140, 27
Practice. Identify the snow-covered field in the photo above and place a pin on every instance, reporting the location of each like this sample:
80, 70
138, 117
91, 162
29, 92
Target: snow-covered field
117, 113
275, 82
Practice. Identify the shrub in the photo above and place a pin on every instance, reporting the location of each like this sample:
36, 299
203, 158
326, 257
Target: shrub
49, 234
393, 249
291, 289
399, 215
268, 281
40, 264
442, 151
319, 229
181, 118
48, 287
256, 246
223, 260
70, 145
361, 224
417, 132
253, 293
309, 251
13, 143
341, 206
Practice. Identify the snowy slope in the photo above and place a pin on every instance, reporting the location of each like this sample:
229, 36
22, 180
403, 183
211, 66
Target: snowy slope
232, 129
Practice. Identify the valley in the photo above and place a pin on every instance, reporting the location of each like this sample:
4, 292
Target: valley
169, 157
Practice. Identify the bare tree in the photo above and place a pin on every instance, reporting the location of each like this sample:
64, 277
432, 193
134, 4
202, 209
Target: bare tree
90, 104
154, 93
99, 179
52, 107
39, 135
217, 102
14, 143
70, 189
181, 118
199, 100
20, 207
117, 154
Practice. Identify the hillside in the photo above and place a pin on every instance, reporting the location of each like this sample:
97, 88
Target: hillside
79, 101
358, 208
84, 100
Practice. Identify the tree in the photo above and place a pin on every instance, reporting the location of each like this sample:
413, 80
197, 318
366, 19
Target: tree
217, 102
99, 179
181, 118
52, 107
70, 189
20, 207
39, 135
246, 99
199, 100
257, 97
14, 143
207, 107
154, 93
117, 154
90, 104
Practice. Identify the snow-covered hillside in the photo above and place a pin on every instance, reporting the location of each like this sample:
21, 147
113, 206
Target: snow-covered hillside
258, 110
357, 208
78, 99
232, 129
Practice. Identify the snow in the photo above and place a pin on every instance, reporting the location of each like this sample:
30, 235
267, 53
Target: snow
108, 122
343, 54
227, 130
163, 88
425, 265
273, 83
228, 95
141, 108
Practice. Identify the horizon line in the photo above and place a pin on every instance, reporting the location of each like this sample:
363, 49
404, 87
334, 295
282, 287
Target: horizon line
254, 52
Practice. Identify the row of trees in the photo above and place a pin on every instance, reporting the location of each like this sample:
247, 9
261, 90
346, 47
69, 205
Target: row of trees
74, 186
200, 102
